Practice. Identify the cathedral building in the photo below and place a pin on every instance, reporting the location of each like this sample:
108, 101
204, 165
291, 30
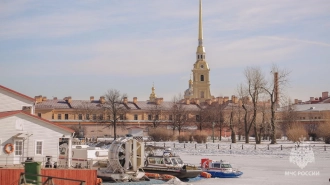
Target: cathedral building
199, 85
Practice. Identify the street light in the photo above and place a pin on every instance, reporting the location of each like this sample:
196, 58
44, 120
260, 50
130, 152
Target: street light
213, 131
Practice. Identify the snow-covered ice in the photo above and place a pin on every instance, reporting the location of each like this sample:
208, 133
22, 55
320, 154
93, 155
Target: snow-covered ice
259, 165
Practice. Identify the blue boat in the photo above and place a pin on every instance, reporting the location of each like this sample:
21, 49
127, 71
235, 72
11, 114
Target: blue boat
219, 169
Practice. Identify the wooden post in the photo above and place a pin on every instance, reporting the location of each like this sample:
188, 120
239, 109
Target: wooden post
164, 145
268, 147
195, 145
174, 145
281, 147
184, 145
218, 146
325, 148
255, 147
230, 147
242, 146
206, 146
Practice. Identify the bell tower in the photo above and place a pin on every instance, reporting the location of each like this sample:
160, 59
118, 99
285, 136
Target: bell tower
201, 70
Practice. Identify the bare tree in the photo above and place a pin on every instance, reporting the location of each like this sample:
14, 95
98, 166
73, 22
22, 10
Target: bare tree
202, 117
113, 109
155, 113
288, 116
275, 86
253, 89
179, 114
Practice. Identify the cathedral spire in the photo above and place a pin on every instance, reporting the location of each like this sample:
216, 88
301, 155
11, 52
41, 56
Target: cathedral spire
200, 54
200, 30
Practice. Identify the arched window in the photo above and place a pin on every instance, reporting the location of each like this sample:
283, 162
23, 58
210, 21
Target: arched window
198, 56
202, 94
202, 78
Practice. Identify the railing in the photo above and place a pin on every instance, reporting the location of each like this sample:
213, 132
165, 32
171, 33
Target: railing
49, 180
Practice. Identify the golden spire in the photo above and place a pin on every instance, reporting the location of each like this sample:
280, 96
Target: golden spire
200, 31
200, 49
190, 81
152, 96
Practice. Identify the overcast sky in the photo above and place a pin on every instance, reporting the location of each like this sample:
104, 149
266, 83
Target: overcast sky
83, 48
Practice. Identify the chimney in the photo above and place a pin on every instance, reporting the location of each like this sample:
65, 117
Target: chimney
135, 100
208, 101
197, 101
54, 98
225, 99
158, 101
325, 95
38, 99
68, 99
187, 101
44, 98
91, 98
102, 99
125, 100
277, 98
220, 100
234, 99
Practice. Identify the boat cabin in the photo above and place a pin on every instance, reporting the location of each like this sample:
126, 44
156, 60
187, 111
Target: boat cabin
164, 161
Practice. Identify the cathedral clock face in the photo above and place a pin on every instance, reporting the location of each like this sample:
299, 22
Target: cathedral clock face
202, 66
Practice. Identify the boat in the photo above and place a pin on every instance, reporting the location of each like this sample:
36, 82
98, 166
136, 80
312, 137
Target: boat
170, 164
219, 169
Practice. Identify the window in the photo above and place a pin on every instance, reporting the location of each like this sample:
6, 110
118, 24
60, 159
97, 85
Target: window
202, 94
319, 117
197, 117
94, 116
66, 116
157, 117
101, 116
39, 148
87, 116
39, 115
52, 116
108, 117
170, 117
80, 116
303, 117
121, 117
135, 117
149, 117
202, 78
18, 147
59, 116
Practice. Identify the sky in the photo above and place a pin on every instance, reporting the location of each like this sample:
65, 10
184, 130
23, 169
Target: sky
84, 48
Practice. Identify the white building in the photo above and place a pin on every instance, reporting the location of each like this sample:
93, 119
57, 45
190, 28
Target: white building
23, 134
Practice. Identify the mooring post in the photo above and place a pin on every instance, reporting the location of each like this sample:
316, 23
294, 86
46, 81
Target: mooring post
268, 147
184, 145
206, 146
325, 148
255, 146
218, 146
195, 145
174, 145
242, 146
230, 147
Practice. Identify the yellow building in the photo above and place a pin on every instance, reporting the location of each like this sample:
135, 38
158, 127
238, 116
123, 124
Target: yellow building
199, 85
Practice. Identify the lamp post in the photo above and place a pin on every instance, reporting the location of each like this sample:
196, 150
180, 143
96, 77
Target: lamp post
213, 131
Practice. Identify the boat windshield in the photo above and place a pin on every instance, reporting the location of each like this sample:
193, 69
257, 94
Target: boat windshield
179, 160
167, 161
225, 166
174, 161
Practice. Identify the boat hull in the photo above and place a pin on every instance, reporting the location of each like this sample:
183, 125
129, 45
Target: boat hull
179, 173
220, 174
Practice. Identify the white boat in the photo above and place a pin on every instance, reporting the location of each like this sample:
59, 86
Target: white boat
219, 169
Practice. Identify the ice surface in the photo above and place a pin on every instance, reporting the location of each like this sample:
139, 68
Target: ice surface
259, 164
